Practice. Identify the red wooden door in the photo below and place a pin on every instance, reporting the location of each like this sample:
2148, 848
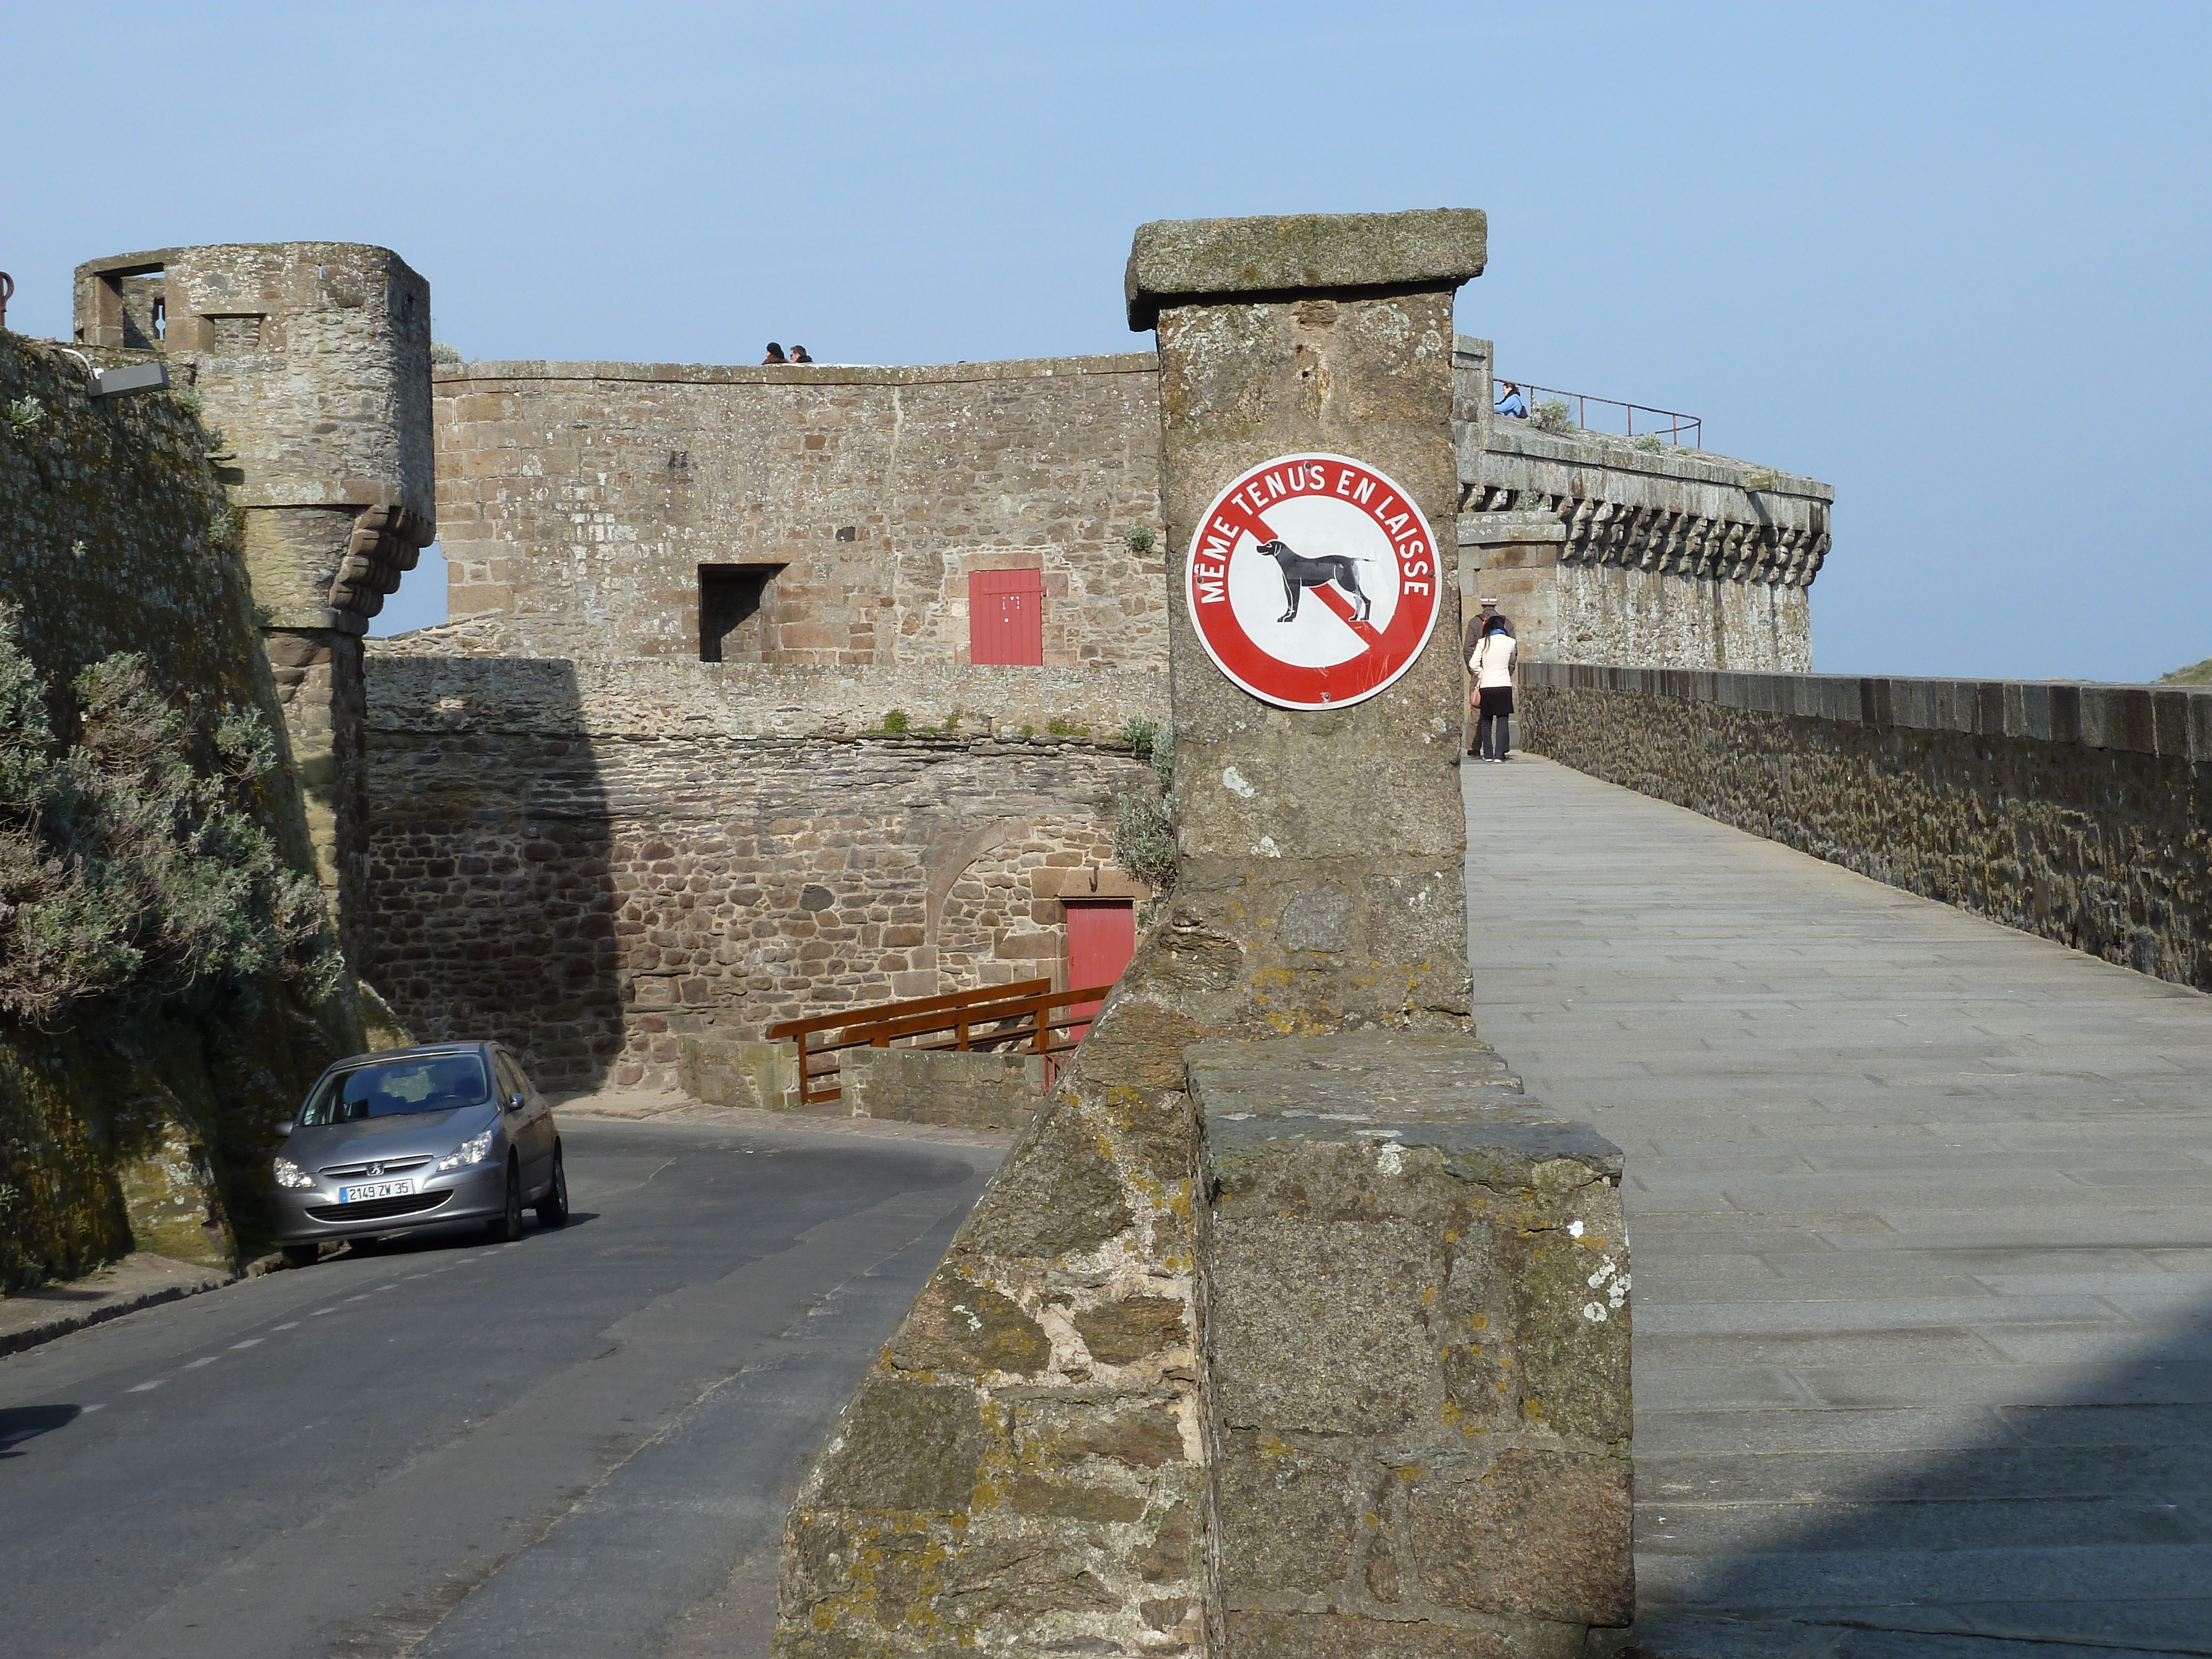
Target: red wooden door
1005, 616
1101, 937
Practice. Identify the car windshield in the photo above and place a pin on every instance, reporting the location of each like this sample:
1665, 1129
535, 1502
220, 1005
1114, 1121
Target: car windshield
430, 1083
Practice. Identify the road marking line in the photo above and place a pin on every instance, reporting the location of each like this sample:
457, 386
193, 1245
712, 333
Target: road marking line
143, 1387
291, 1325
100, 1407
249, 1342
320, 1312
194, 1365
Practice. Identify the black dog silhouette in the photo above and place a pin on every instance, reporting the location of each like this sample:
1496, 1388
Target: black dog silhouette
1298, 573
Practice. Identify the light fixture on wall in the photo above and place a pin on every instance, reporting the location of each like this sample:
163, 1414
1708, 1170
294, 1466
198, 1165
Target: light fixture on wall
131, 377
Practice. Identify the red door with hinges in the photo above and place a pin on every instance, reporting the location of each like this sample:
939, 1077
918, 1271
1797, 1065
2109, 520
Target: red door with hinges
1005, 616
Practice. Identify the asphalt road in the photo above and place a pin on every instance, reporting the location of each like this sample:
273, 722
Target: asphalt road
582, 1443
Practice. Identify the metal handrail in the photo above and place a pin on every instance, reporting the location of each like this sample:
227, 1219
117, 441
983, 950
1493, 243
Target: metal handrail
1676, 423
7, 293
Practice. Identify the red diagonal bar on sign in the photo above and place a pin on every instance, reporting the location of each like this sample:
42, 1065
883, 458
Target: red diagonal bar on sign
1255, 525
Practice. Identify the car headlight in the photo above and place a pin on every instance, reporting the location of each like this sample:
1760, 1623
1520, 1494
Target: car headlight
469, 1151
289, 1173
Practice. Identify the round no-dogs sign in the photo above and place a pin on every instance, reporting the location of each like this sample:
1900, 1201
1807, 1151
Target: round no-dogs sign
1312, 581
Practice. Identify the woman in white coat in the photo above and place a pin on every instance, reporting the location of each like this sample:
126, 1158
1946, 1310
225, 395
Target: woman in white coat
1493, 665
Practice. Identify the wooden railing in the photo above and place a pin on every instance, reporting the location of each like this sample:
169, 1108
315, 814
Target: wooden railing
1027, 1014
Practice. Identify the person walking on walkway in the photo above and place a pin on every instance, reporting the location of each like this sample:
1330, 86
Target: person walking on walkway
1491, 663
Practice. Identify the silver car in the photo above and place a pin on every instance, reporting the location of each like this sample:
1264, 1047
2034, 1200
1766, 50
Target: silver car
414, 1137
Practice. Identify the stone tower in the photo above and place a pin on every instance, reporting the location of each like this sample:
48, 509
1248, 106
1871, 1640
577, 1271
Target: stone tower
311, 360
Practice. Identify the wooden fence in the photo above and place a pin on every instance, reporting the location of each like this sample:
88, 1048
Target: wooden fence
1028, 1014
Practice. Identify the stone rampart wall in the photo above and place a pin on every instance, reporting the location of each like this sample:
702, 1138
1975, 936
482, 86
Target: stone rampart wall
142, 1131
578, 501
1665, 555
594, 874
2079, 812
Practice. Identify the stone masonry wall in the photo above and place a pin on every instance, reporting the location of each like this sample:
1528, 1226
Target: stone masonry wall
561, 868
578, 501
2079, 812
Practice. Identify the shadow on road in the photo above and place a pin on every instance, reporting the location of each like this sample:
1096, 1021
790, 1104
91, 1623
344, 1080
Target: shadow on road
22, 1423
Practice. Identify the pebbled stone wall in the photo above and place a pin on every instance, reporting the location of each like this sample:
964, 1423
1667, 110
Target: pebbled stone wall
577, 502
560, 861
2079, 812
146, 1132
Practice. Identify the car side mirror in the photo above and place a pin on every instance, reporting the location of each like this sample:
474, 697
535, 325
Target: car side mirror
284, 1129
514, 1102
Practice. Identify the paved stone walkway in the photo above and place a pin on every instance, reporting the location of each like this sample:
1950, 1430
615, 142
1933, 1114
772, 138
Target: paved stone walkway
1921, 1226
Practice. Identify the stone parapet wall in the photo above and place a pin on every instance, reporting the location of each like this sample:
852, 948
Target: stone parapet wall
413, 686
594, 880
579, 500
1417, 1336
2080, 812
975, 1091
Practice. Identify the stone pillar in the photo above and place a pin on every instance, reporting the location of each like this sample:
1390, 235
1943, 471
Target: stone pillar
1326, 848
311, 364
1035, 1462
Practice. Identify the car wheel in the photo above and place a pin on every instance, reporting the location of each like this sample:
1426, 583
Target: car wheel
506, 1227
302, 1256
553, 1208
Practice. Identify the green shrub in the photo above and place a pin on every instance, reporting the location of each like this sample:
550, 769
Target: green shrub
1144, 838
1553, 416
1059, 727
894, 722
1139, 538
25, 413
127, 874
443, 356
1649, 444
1144, 822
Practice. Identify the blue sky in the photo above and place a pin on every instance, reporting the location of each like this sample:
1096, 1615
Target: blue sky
1951, 259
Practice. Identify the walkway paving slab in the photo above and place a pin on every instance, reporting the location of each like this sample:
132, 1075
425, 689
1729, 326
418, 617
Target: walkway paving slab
1921, 1211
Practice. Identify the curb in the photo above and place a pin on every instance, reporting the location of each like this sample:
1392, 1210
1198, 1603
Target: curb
67, 1321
